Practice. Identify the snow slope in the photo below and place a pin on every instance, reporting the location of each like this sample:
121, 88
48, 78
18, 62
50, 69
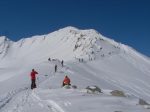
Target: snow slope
106, 63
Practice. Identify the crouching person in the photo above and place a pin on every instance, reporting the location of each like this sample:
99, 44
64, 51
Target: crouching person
66, 81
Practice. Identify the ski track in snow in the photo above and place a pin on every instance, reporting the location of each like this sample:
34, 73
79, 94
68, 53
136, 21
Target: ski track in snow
52, 105
4, 101
27, 98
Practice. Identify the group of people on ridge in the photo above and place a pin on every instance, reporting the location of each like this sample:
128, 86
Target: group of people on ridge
33, 74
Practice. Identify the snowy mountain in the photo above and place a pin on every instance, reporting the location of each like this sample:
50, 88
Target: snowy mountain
89, 59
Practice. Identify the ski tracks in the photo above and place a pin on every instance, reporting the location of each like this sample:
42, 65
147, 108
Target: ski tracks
26, 100
50, 104
23, 100
8, 97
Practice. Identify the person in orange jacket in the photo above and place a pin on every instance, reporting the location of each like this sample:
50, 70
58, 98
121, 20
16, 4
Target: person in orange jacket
33, 79
66, 81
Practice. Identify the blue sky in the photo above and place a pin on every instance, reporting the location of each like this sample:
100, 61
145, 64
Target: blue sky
126, 21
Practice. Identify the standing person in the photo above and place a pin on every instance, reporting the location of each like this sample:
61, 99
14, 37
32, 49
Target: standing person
55, 68
33, 79
49, 59
66, 81
62, 63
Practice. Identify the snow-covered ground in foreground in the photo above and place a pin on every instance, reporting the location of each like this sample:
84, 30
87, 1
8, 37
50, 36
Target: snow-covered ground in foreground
106, 64
70, 100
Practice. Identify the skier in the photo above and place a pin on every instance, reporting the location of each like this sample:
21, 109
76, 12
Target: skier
33, 79
55, 68
66, 81
49, 59
62, 63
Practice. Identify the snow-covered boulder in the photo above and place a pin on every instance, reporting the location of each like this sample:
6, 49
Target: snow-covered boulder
74, 86
117, 93
93, 89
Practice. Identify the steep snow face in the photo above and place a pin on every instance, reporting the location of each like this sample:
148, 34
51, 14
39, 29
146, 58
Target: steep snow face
89, 44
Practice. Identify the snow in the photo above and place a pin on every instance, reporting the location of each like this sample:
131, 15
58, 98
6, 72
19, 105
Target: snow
70, 100
106, 64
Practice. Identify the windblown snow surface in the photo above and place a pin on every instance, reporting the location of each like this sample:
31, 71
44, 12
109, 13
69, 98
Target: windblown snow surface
106, 64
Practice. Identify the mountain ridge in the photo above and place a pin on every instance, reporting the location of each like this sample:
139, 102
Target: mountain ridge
84, 40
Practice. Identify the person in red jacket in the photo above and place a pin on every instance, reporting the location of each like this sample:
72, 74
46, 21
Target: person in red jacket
33, 79
66, 81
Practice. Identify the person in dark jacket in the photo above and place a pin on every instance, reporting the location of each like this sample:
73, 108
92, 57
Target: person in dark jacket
66, 81
33, 79
55, 68
62, 63
49, 59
